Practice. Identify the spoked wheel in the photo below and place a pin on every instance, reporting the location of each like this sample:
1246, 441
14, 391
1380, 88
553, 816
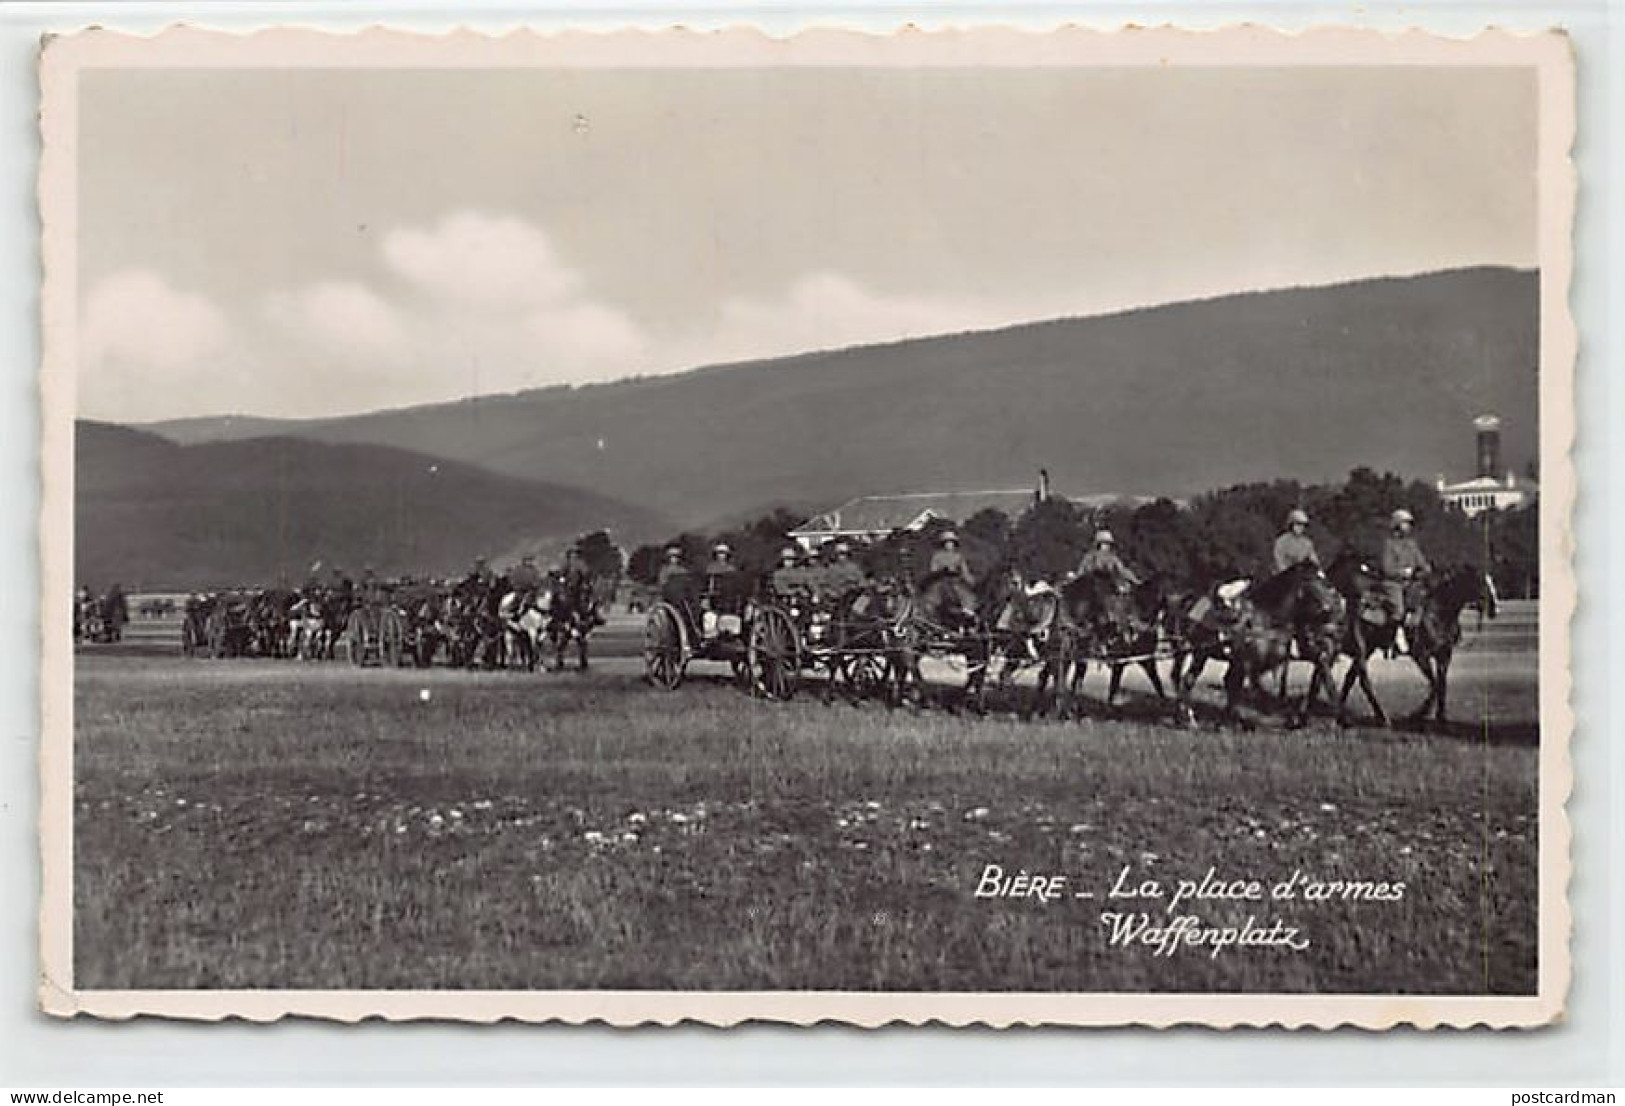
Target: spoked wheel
391, 639
774, 656
355, 639
663, 648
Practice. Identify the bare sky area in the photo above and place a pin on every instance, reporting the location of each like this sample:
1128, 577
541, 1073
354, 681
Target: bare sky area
312, 242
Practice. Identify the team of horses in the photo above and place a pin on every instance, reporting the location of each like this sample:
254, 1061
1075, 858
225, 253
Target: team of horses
1303, 615
473, 624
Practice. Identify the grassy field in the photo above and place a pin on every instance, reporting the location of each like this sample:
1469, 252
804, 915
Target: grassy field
278, 825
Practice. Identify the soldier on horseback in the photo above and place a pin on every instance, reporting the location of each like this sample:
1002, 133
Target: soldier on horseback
949, 564
1404, 566
1293, 545
577, 581
1103, 559
524, 579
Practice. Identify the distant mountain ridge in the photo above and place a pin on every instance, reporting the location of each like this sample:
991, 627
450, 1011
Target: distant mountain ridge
1304, 383
153, 514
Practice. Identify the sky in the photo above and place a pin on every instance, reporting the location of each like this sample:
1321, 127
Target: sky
303, 242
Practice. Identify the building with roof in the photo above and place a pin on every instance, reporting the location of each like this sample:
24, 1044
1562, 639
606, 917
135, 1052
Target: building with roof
1493, 489
870, 518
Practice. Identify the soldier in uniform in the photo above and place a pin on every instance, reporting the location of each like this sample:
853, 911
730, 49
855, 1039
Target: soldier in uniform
949, 563
789, 577
719, 571
1403, 567
577, 581
845, 575
1103, 559
341, 587
1294, 546
523, 581
372, 589
674, 582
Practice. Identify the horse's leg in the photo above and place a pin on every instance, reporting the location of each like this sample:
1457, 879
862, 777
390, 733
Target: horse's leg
1425, 665
1080, 670
1441, 666
581, 651
1114, 686
1364, 674
1236, 678
1150, 669
1188, 671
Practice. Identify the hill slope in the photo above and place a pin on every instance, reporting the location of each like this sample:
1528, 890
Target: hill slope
153, 514
1303, 383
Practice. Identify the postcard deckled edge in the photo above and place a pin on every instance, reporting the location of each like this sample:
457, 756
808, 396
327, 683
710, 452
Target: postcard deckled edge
1549, 52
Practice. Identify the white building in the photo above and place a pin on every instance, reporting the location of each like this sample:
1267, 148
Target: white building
1493, 489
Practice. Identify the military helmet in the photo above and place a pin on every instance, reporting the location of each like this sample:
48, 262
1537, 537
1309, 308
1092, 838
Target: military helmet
722, 549
1104, 537
673, 551
1297, 516
790, 553
948, 536
1401, 515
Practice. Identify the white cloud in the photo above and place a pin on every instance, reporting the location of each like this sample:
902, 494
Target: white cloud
343, 317
473, 304
135, 317
827, 310
143, 345
483, 261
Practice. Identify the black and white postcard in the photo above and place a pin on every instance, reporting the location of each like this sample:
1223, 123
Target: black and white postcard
984, 526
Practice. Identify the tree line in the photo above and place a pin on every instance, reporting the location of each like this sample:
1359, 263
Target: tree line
1217, 536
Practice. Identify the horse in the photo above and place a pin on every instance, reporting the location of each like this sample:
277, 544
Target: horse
524, 619
1101, 620
308, 625
1023, 618
115, 612
1443, 596
940, 617
1255, 633
572, 615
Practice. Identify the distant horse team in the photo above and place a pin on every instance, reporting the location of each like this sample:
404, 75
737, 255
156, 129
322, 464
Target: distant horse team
873, 634
522, 619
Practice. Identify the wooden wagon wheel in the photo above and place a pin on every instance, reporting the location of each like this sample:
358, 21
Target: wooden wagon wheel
663, 660
391, 638
774, 654
355, 638
216, 631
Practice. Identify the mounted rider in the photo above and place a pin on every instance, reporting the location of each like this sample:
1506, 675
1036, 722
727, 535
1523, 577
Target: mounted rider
949, 564
524, 580
1103, 560
1404, 566
1294, 546
576, 580
341, 587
